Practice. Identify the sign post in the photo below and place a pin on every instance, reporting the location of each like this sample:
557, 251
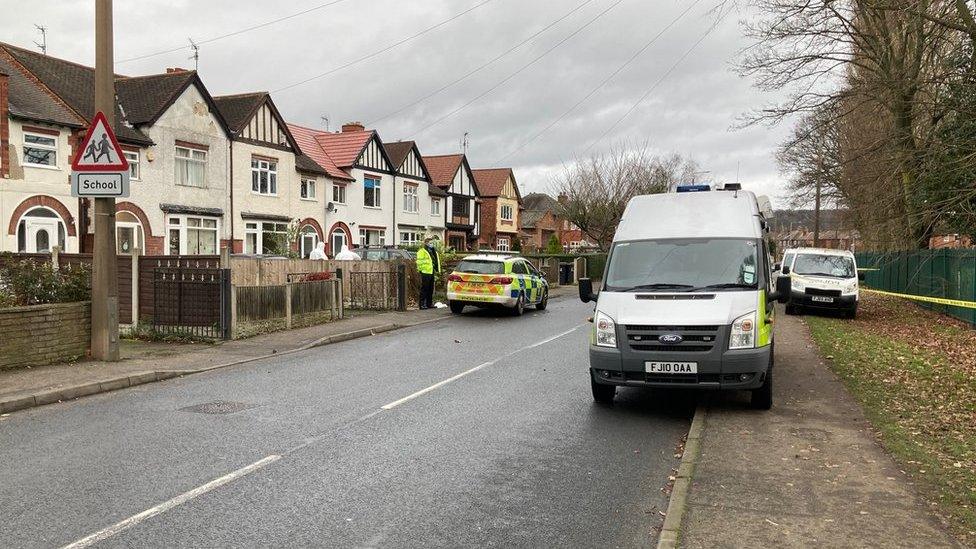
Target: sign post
100, 171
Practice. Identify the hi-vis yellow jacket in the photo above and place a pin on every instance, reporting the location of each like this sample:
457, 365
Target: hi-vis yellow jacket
425, 263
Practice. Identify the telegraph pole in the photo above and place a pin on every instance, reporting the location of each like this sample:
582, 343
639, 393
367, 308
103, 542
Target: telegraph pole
105, 288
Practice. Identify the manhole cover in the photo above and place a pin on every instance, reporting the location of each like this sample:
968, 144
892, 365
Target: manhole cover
218, 407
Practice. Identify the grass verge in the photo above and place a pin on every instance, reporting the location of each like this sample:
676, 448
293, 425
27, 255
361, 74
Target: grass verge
914, 373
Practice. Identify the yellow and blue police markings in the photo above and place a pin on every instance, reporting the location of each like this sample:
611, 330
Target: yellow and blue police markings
487, 288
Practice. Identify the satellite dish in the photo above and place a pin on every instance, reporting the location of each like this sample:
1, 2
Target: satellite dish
330, 207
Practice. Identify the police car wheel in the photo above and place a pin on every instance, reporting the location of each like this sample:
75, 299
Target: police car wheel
602, 393
456, 307
542, 304
519, 307
762, 398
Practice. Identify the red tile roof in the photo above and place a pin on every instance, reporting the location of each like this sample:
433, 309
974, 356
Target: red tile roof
442, 169
344, 147
491, 182
306, 139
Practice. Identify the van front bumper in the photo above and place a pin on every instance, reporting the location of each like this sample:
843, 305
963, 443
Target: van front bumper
740, 369
839, 303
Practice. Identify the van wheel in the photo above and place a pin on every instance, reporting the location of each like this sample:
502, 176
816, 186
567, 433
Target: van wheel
602, 393
851, 313
541, 305
762, 398
519, 307
456, 307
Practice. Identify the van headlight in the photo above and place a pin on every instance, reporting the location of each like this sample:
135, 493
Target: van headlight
797, 284
606, 330
850, 288
743, 334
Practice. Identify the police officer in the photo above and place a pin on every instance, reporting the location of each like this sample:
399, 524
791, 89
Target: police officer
429, 265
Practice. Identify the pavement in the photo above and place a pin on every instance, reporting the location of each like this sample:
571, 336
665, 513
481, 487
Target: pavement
479, 431
808, 473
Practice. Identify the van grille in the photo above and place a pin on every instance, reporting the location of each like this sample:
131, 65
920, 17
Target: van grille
695, 339
818, 291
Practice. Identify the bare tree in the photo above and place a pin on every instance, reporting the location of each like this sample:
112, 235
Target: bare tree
594, 192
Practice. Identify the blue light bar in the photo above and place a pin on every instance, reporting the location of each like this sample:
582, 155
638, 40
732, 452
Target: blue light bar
692, 188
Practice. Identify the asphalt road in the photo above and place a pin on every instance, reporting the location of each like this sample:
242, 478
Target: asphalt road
475, 431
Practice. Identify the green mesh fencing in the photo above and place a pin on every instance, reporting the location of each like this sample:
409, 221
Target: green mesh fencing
949, 274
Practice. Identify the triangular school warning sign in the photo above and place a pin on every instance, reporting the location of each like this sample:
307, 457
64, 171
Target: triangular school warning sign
100, 150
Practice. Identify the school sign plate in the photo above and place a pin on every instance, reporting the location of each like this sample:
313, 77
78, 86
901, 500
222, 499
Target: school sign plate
99, 168
115, 184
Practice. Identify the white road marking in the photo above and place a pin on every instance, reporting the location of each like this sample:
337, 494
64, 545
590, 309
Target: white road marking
439, 384
167, 505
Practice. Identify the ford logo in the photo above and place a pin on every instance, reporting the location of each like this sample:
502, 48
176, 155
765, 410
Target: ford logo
670, 339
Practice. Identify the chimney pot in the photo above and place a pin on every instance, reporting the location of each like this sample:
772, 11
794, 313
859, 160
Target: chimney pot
353, 127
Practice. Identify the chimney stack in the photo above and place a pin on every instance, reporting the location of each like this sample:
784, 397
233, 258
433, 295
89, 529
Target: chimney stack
171, 70
4, 126
353, 127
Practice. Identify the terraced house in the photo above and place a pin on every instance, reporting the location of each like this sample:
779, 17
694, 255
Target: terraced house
501, 204
453, 175
174, 139
420, 204
274, 187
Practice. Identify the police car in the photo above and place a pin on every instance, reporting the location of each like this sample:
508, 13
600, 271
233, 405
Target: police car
486, 280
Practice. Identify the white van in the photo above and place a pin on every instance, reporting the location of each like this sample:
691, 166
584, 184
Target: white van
822, 279
687, 297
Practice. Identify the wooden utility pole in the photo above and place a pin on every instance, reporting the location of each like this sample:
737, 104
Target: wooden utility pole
816, 202
105, 287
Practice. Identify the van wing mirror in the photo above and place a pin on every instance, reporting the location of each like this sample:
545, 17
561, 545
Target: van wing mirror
777, 266
786, 269
586, 294
784, 285
860, 276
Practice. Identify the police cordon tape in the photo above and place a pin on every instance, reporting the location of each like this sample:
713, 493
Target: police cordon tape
927, 299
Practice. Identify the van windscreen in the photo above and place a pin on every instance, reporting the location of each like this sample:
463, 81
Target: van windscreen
837, 266
683, 265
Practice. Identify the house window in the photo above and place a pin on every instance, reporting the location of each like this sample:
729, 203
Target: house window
435, 206
266, 238
410, 238
191, 235
502, 244
308, 189
371, 192
264, 176
40, 150
132, 157
372, 237
411, 200
191, 167
339, 194
506, 212
128, 233
309, 239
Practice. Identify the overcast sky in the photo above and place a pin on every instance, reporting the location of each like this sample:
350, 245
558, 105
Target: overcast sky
692, 111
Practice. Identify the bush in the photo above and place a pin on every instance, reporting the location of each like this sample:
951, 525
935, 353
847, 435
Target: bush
554, 246
315, 277
27, 282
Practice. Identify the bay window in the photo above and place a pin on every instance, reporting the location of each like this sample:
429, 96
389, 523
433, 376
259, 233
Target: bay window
266, 238
191, 235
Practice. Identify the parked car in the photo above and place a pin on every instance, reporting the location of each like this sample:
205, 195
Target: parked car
823, 279
384, 254
487, 280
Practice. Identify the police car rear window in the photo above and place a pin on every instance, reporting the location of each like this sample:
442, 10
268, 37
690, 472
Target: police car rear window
476, 266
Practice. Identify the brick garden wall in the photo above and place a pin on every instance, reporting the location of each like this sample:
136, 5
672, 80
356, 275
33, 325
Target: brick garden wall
44, 334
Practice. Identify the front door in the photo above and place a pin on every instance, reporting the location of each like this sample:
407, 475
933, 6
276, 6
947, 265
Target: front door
338, 241
42, 235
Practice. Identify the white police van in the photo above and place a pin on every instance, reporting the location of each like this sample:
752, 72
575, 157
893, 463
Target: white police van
822, 279
687, 297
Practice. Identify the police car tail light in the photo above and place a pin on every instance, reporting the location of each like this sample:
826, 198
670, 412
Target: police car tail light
743, 334
454, 278
501, 280
606, 331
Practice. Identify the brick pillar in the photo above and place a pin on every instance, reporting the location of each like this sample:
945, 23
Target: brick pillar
4, 127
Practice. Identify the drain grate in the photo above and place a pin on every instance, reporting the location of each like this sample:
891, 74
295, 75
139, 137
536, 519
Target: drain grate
218, 407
